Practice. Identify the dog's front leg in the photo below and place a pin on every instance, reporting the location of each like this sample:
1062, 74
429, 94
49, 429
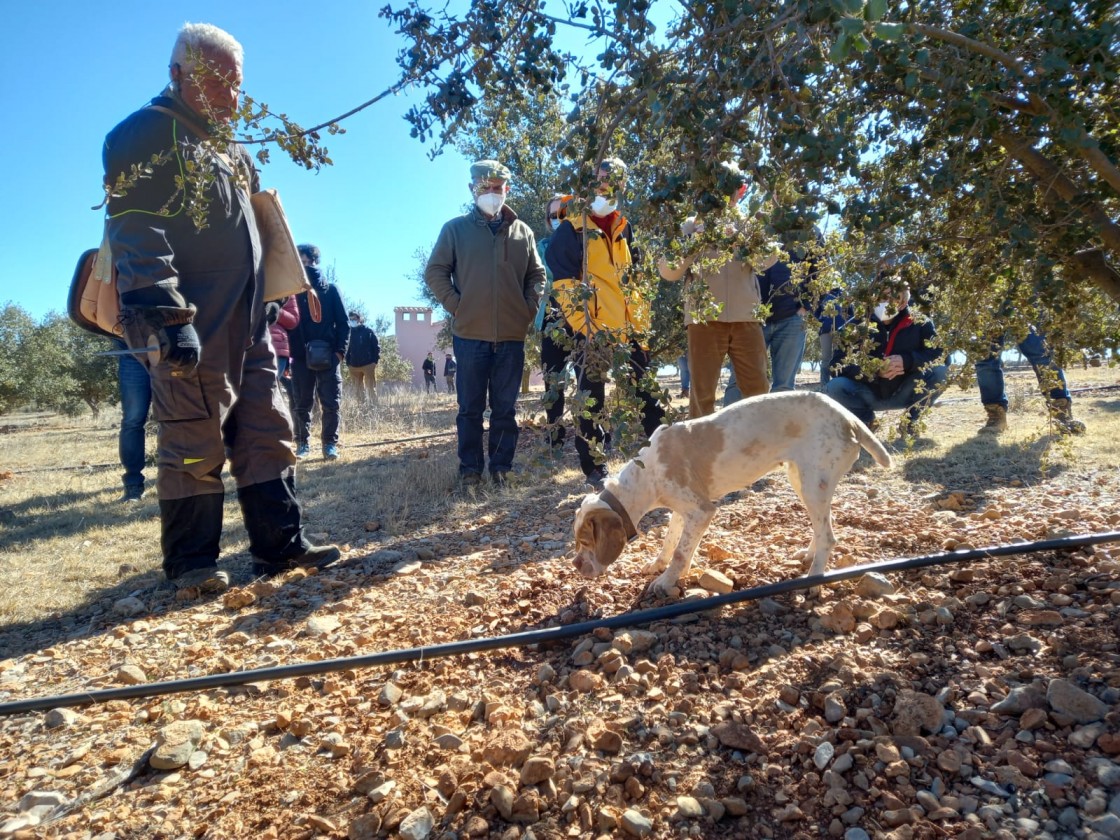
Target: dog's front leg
672, 537
695, 524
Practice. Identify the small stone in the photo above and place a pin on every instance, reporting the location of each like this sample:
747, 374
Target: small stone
689, 808
395, 739
176, 743
130, 675
1032, 719
448, 741
856, 833
501, 797
381, 792
536, 769
417, 825
834, 708
823, 754
874, 585
1067, 699
915, 711
636, 824
129, 606
41, 799
58, 718
322, 625
1019, 699
738, 736
390, 695
508, 747
716, 582
839, 618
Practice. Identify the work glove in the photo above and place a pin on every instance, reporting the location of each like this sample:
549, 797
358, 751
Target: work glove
183, 349
168, 331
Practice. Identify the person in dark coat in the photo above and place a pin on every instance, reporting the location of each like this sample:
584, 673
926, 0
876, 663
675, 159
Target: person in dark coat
362, 355
449, 368
191, 289
910, 374
429, 368
318, 348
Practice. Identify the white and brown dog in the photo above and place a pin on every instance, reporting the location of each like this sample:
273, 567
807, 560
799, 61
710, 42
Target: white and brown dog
688, 464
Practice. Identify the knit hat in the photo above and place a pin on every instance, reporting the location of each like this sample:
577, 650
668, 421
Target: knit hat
484, 169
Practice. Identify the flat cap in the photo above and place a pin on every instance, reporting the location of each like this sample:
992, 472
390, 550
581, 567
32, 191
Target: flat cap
481, 169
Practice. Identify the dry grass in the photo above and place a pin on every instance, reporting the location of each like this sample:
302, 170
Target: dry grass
69, 549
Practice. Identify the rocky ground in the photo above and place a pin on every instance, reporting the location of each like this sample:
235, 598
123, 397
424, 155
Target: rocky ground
962, 701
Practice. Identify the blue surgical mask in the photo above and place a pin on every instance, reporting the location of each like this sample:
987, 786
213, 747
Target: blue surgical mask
555, 223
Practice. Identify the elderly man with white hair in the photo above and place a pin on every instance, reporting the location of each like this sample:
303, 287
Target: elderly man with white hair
185, 245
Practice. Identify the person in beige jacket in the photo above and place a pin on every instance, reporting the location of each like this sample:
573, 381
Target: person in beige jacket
721, 303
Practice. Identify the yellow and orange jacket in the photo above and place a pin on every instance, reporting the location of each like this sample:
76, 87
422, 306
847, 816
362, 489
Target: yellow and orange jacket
613, 303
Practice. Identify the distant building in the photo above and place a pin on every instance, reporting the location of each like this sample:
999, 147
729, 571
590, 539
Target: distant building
416, 337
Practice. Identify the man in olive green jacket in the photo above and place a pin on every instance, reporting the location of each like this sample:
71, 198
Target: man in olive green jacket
486, 272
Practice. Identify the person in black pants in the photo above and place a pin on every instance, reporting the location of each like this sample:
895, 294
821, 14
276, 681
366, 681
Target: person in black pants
318, 347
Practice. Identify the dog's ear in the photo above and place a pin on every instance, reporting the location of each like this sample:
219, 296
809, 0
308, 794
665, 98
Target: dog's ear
607, 534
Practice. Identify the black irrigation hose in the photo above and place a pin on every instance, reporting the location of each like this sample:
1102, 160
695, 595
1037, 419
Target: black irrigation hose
550, 634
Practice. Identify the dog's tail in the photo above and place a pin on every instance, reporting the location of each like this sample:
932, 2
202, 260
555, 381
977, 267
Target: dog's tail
872, 444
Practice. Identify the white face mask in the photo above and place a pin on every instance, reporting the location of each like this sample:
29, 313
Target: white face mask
490, 203
352, 324
602, 206
885, 311
555, 223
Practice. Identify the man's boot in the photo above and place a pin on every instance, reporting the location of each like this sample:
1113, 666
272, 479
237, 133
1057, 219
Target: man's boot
1061, 411
997, 419
273, 518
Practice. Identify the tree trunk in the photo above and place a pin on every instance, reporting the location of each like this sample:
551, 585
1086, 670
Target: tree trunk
1092, 263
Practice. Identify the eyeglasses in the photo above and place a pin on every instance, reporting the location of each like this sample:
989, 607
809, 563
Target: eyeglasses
552, 216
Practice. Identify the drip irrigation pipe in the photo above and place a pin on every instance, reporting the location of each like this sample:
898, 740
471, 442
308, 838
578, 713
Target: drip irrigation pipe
550, 634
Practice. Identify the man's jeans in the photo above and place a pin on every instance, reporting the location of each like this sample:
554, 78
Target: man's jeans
860, 399
826, 358
136, 399
989, 371
306, 384
488, 372
686, 374
786, 342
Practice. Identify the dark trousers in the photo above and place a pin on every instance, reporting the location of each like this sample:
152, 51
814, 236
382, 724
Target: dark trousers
593, 379
231, 408
489, 373
306, 383
136, 399
553, 359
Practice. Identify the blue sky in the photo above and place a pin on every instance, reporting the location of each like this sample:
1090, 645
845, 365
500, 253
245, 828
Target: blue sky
72, 70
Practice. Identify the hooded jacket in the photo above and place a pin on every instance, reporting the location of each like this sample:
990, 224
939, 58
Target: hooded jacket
490, 281
334, 326
288, 320
364, 348
612, 303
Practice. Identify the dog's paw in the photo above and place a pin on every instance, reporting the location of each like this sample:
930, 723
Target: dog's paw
664, 587
801, 558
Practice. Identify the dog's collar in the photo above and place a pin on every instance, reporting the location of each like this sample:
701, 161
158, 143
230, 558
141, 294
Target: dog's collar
615, 505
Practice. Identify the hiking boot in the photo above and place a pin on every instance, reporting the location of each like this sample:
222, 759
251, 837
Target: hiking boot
997, 419
596, 478
470, 479
313, 557
303, 450
330, 451
209, 580
1061, 411
499, 478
